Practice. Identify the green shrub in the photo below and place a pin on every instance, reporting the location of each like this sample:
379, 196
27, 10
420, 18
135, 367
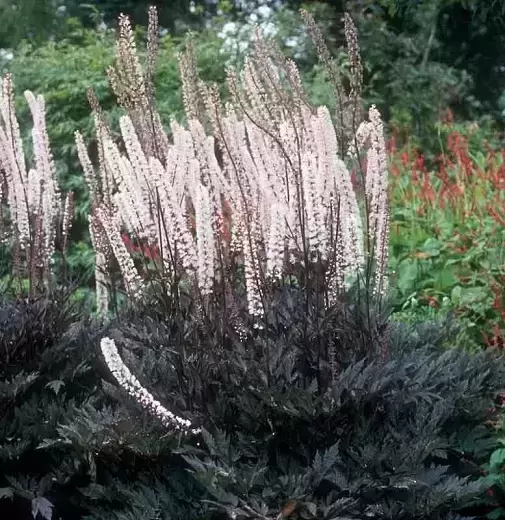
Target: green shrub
447, 231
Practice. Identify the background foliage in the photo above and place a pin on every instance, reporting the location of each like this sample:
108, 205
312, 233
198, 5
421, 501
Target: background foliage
420, 59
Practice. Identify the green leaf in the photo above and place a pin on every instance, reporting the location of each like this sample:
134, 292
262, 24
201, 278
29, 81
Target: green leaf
407, 274
456, 294
497, 513
445, 279
432, 247
473, 295
498, 457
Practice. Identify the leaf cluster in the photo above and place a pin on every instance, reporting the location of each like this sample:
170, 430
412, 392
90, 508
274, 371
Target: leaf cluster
334, 413
446, 240
300, 422
68, 445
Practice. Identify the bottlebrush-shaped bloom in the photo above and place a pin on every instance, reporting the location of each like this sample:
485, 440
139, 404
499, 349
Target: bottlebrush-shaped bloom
132, 385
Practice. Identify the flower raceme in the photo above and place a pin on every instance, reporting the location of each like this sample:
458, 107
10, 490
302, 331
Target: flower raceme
270, 158
252, 193
36, 208
130, 383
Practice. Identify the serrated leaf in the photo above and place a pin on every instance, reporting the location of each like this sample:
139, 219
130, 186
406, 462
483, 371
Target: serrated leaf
41, 506
55, 385
6, 492
311, 508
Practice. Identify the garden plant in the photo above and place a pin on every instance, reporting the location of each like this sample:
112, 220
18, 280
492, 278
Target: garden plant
242, 361
447, 231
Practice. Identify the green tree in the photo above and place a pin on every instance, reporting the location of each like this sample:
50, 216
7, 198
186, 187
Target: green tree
39, 20
453, 50
35, 20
